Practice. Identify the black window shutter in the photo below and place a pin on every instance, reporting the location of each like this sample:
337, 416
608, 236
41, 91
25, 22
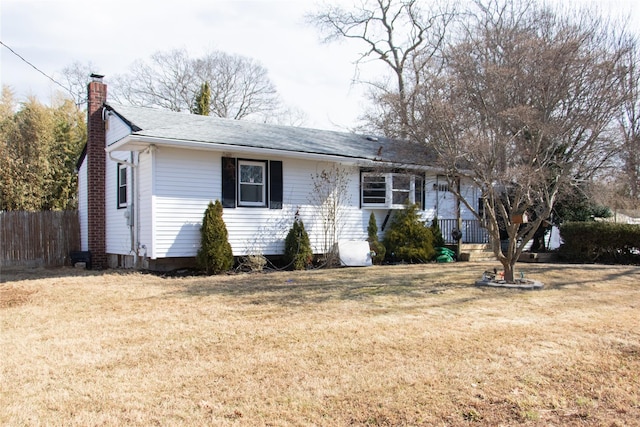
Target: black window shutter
275, 181
228, 182
361, 189
423, 178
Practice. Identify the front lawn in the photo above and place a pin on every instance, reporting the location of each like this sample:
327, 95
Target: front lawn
401, 345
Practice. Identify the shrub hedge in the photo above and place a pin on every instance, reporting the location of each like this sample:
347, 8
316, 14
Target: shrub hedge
602, 242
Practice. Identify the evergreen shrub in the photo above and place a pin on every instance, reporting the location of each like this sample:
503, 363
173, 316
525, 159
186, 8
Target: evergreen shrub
297, 247
215, 255
597, 241
409, 239
438, 240
376, 246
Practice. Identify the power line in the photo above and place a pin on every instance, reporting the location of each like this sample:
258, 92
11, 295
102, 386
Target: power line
75, 96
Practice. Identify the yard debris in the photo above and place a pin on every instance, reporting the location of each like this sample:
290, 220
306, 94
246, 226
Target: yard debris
444, 254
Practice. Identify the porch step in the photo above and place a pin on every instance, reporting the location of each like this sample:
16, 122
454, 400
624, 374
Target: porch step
478, 251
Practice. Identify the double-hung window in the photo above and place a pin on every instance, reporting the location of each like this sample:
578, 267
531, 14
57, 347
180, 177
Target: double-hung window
252, 183
391, 190
122, 186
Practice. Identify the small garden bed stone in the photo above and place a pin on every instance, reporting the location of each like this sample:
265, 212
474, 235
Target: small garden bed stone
496, 280
525, 284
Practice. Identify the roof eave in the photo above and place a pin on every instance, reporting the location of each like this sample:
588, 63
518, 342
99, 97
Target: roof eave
140, 143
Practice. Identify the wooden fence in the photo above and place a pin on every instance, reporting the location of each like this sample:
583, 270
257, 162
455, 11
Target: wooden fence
38, 239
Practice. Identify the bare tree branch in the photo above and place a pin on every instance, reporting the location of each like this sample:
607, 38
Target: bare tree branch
523, 106
240, 87
394, 32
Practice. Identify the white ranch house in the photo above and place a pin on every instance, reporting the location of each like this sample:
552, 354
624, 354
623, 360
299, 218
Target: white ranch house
160, 169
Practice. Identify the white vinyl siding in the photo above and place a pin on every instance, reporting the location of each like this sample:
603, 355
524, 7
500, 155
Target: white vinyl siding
171, 187
175, 186
262, 231
186, 180
116, 128
118, 232
145, 212
118, 239
351, 223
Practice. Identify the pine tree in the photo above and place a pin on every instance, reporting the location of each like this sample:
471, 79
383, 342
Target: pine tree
297, 246
376, 246
215, 255
203, 100
438, 240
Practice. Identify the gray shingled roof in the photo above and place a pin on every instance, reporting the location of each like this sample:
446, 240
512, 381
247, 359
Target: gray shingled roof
170, 125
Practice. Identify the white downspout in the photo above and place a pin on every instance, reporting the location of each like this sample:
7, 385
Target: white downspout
134, 208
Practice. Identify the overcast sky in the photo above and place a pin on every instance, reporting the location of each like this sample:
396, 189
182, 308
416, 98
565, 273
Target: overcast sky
309, 75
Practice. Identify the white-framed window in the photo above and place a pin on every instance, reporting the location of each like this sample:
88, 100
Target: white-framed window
391, 189
252, 185
374, 189
122, 186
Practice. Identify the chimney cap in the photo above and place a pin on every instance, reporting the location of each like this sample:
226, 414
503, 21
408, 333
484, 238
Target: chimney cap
96, 77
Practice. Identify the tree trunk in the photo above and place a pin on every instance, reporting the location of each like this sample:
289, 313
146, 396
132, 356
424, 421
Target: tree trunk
509, 271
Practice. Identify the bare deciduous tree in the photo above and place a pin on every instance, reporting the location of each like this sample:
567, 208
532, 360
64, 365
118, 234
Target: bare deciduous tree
287, 116
166, 80
330, 196
77, 77
396, 32
240, 87
522, 106
630, 128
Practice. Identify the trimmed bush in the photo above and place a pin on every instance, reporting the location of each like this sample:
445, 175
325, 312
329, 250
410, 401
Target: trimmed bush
375, 245
297, 247
603, 242
409, 239
214, 255
438, 240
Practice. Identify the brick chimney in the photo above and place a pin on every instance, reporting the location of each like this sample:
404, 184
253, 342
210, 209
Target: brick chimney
96, 165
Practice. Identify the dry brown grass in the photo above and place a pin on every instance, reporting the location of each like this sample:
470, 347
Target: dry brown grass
402, 345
